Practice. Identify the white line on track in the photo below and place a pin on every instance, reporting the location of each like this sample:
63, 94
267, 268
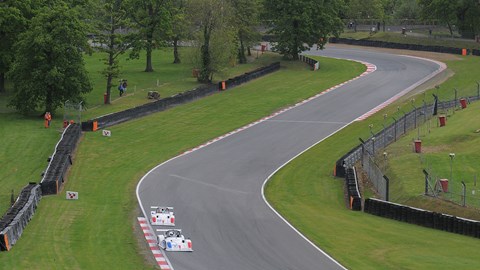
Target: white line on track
306, 122
370, 69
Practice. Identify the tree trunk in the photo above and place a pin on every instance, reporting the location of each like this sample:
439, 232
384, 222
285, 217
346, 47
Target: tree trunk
176, 54
149, 67
111, 64
204, 76
242, 59
49, 102
294, 50
249, 52
383, 25
2, 82
450, 29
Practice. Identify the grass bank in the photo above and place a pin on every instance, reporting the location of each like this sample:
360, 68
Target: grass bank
26, 144
306, 194
97, 230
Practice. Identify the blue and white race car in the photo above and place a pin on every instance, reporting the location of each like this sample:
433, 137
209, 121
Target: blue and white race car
162, 216
173, 240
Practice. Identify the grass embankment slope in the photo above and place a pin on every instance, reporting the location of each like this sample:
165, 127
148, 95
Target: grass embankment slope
26, 144
96, 232
409, 39
306, 193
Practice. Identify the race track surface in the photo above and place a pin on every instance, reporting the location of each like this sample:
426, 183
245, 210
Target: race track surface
216, 190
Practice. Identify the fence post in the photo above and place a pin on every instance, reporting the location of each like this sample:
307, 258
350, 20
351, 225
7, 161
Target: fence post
426, 181
478, 89
387, 187
455, 104
363, 150
395, 130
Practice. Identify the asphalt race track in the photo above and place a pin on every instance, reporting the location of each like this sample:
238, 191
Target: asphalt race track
216, 190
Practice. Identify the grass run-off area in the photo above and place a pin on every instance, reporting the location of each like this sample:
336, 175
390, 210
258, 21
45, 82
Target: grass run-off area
410, 39
26, 144
96, 232
306, 193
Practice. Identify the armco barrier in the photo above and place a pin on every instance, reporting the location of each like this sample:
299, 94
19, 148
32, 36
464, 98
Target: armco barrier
163, 104
392, 45
61, 160
353, 193
422, 217
17, 217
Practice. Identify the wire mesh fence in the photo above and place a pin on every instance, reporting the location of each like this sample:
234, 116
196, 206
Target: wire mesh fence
421, 119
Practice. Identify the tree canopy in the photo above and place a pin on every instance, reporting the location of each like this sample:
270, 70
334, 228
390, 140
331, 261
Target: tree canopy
49, 67
299, 24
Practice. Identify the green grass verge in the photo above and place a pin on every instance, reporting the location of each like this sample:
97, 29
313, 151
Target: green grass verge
305, 193
399, 38
95, 232
26, 144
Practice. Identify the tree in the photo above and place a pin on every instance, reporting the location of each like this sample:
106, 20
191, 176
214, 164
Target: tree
211, 18
443, 10
298, 22
179, 26
365, 10
49, 67
12, 23
150, 18
246, 18
468, 18
114, 37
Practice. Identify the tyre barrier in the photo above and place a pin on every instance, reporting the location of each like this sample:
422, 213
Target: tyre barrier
353, 193
314, 64
17, 217
165, 103
61, 160
422, 217
403, 46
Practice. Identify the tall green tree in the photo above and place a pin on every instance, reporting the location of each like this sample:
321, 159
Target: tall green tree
298, 22
364, 10
49, 67
113, 36
246, 19
13, 21
151, 18
442, 10
180, 26
212, 20
468, 18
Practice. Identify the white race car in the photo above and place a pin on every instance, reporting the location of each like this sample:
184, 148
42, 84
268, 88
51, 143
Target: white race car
173, 240
162, 216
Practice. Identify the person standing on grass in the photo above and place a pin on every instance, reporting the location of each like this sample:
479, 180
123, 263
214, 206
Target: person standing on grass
48, 119
121, 89
124, 84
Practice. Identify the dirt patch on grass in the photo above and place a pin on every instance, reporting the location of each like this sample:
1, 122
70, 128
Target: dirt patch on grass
435, 149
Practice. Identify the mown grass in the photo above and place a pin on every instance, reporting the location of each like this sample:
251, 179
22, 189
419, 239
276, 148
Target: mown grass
362, 241
399, 38
168, 78
26, 144
96, 232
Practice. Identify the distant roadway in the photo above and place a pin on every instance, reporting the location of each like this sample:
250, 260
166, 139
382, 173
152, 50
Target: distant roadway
217, 190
